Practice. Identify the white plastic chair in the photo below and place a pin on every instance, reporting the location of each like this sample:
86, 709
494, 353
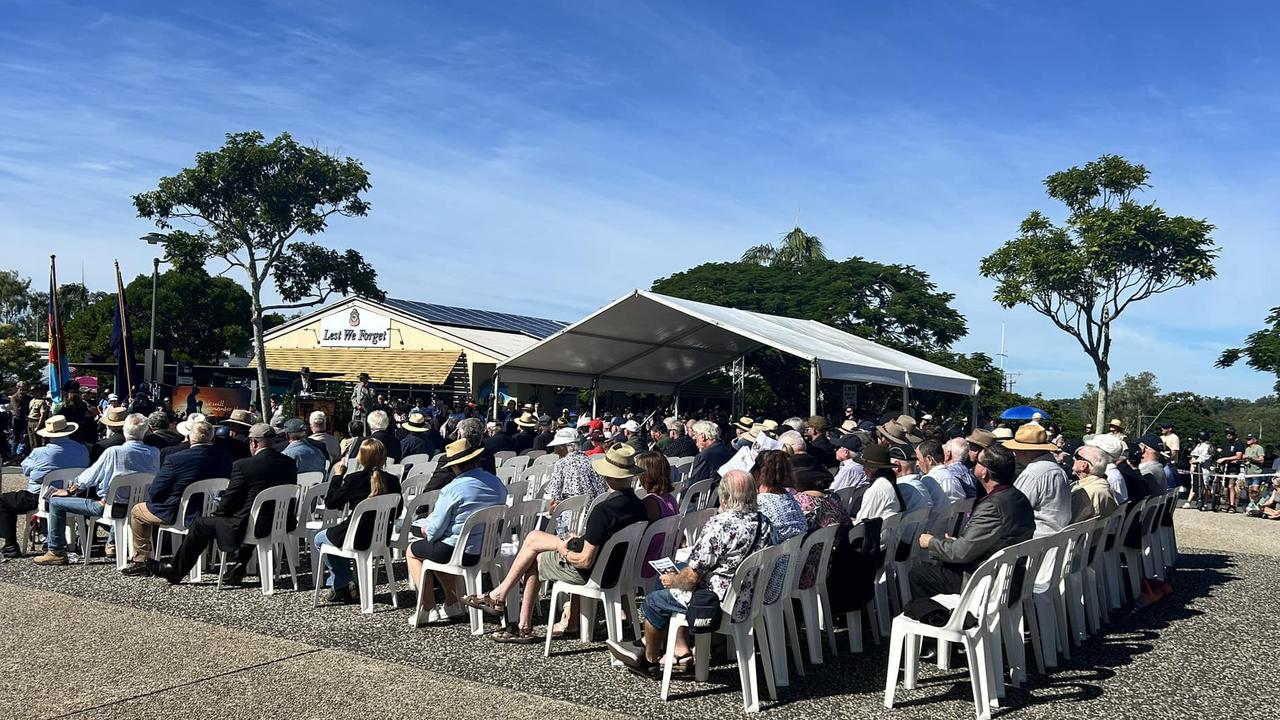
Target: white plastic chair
689, 529
568, 513
437, 457
548, 459
900, 558
52, 480
500, 458
1134, 560
1152, 552
697, 496
533, 454
861, 538
307, 479
668, 529
505, 473
779, 615
411, 507
378, 510
395, 469
517, 463
414, 460
745, 632
890, 527
517, 491
815, 602
207, 491
493, 519
283, 498
907, 634
594, 591
949, 520
1168, 539
1048, 601
133, 488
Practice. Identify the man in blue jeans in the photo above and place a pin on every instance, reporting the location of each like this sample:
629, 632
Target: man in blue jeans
87, 494
59, 453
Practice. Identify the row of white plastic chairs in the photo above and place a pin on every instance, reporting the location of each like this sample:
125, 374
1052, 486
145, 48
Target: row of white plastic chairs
1059, 589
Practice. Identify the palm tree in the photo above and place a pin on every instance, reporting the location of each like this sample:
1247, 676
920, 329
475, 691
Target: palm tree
796, 247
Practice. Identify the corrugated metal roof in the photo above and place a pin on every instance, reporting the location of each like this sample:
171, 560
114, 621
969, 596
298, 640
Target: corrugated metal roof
537, 328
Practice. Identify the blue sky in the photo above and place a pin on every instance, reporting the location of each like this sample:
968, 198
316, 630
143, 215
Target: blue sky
547, 157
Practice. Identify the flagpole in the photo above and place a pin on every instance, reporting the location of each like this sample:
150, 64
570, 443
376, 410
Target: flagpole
124, 334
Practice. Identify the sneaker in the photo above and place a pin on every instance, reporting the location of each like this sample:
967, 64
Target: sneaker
52, 558
456, 611
340, 595
418, 618
11, 553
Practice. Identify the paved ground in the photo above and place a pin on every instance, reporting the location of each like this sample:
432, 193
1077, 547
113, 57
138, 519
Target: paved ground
165, 650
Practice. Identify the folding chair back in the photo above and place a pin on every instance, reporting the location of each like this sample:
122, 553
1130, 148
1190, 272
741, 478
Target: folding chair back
380, 510
501, 457
697, 496
691, 524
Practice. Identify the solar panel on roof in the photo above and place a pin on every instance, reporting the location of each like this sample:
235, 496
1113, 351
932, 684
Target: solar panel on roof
482, 319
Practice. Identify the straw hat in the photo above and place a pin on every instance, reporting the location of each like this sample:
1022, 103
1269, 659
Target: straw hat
417, 422
745, 424
1115, 423
114, 417
56, 427
1002, 434
619, 461
184, 427
1030, 437
527, 420
848, 426
460, 451
241, 417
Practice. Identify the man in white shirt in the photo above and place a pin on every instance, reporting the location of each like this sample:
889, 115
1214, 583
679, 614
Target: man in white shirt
851, 473
1042, 481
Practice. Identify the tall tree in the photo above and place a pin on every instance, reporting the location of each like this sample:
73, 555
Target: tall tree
247, 203
1261, 349
795, 247
14, 298
198, 317
1111, 252
18, 361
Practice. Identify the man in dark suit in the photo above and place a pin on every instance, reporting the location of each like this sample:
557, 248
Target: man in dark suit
304, 385
1003, 517
201, 461
501, 440
266, 467
380, 424
234, 442
711, 452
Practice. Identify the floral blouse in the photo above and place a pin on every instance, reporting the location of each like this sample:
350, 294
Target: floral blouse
726, 540
819, 511
788, 521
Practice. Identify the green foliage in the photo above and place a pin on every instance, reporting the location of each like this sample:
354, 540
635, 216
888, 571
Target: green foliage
14, 299
248, 204
1261, 349
196, 318
1111, 252
18, 361
796, 248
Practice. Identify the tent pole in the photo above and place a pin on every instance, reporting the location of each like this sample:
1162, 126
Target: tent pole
495, 396
595, 396
813, 387
906, 400
675, 404
975, 411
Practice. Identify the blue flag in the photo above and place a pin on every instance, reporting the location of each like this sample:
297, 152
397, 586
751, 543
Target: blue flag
122, 346
59, 373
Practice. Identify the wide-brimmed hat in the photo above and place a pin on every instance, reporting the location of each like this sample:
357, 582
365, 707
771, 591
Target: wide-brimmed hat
363, 376
184, 427
908, 425
982, 438
1030, 437
460, 451
874, 457
745, 424
848, 426
114, 417
564, 436
1115, 423
241, 417
57, 426
527, 420
619, 461
894, 433
417, 422
1002, 433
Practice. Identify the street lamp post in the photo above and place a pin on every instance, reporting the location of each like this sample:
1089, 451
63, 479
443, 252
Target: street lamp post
154, 239
155, 275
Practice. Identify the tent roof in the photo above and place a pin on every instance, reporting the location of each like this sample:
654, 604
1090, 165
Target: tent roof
646, 342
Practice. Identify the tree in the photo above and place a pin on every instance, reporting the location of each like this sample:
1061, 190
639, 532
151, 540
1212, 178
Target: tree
247, 204
1112, 252
1261, 349
14, 301
18, 361
197, 318
796, 247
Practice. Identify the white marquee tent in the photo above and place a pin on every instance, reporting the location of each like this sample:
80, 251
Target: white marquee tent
646, 342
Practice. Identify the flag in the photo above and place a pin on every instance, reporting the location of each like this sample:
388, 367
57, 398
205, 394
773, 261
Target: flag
122, 345
59, 373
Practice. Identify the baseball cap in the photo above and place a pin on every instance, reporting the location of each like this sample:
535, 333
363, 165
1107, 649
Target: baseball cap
294, 425
1109, 444
631, 426
261, 430
898, 452
850, 442
596, 424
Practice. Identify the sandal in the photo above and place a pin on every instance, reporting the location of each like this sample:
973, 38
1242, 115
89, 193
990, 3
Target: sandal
522, 636
682, 663
485, 603
634, 660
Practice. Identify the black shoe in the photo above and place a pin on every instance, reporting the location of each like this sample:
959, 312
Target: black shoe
167, 571
136, 569
11, 553
234, 574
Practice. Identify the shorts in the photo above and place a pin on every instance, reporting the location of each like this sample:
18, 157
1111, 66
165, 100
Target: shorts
553, 568
438, 551
659, 606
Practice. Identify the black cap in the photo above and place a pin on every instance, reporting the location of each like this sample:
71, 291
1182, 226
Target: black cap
850, 442
1230, 430
898, 452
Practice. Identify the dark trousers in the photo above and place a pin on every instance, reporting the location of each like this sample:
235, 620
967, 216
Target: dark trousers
13, 504
929, 579
203, 531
